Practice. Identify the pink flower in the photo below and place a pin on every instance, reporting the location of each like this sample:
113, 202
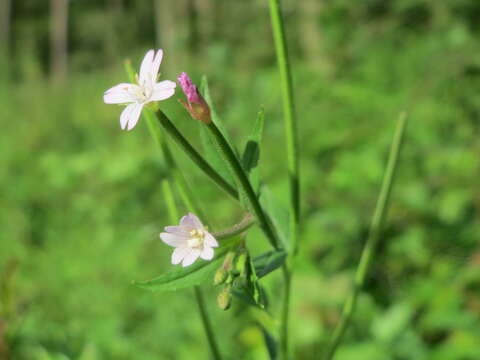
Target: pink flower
195, 105
190, 239
189, 88
138, 95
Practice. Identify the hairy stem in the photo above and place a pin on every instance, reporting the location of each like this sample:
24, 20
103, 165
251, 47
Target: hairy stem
236, 229
372, 240
187, 198
194, 155
243, 183
207, 323
292, 157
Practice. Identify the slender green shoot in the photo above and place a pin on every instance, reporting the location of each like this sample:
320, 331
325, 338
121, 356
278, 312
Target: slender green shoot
194, 155
372, 240
173, 214
207, 323
289, 114
170, 201
244, 183
185, 194
236, 229
291, 136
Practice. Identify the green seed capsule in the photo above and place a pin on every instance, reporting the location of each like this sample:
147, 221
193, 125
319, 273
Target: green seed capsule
220, 276
224, 299
240, 263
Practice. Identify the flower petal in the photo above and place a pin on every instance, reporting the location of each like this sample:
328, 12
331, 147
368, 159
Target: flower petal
210, 240
163, 90
177, 230
172, 239
190, 258
179, 254
207, 253
156, 65
130, 116
119, 94
191, 221
146, 67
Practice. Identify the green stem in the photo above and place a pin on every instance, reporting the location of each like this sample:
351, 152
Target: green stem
372, 240
289, 114
236, 229
292, 157
207, 324
173, 132
243, 183
287, 281
185, 193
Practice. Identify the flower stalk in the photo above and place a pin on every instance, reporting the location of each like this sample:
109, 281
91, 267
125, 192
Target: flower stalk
292, 158
193, 154
243, 182
372, 240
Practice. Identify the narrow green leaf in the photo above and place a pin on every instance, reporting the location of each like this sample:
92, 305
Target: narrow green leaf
170, 201
212, 154
278, 215
251, 153
205, 90
268, 262
189, 276
270, 343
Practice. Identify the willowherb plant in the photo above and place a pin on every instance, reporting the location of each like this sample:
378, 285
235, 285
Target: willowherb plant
223, 257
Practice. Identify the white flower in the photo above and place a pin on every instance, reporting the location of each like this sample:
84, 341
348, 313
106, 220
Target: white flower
190, 239
138, 95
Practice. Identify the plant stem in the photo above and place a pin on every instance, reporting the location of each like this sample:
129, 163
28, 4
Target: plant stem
170, 128
287, 282
236, 229
185, 193
243, 183
292, 157
372, 240
289, 114
206, 323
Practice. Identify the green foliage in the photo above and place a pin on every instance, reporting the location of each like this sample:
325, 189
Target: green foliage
82, 202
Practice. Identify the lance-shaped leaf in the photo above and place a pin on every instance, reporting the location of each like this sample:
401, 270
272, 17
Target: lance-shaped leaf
268, 262
270, 343
210, 150
246, 285
189, 276
251, 153
278, 215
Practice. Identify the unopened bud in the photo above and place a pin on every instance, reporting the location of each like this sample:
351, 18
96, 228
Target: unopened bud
196, 104
241, 262
220, 276
224, 299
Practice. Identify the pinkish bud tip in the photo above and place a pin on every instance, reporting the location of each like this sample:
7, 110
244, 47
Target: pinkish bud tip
189, 88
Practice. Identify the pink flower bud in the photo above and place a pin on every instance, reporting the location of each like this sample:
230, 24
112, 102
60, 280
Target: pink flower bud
195, 105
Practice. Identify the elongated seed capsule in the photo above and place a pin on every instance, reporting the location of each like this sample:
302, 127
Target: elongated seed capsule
224, 298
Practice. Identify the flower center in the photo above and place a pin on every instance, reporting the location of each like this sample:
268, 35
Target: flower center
197, 237
143, 93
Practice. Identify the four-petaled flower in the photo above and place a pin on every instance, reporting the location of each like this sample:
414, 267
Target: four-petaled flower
190, 239
138, 95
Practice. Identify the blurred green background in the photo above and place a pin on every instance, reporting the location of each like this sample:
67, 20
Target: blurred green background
81, 203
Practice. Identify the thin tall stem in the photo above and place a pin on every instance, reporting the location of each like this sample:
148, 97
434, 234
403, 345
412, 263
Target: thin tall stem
292, 158
289, 113
171, 129
372, 240
243, 183
207, 324
187, 198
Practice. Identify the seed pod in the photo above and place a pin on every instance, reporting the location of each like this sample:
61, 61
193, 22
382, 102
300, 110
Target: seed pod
241, 262
220, 276
224, 299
